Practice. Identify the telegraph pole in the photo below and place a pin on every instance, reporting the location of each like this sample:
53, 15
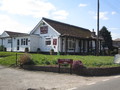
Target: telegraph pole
97, 43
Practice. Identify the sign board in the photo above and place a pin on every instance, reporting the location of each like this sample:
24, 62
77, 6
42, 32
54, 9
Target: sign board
44, 29
54, 41
65, 61
117, 59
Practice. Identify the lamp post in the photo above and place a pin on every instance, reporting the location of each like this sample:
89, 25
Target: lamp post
97, 46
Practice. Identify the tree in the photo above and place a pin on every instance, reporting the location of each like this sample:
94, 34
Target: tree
107, 38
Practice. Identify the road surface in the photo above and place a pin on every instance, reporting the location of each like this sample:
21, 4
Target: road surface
106, 84
18, 79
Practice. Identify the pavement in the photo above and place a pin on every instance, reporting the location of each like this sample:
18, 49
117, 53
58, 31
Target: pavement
19, 79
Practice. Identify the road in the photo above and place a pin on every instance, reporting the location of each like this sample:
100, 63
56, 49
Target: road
18, 79
106, 84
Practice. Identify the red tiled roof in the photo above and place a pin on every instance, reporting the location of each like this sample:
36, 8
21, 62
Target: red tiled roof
69, 30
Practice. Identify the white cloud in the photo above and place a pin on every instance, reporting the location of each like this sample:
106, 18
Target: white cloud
114, 28
115, 32
115, 35
60, 15
7, 23
102, 16
36, 8
113, 13
82, 5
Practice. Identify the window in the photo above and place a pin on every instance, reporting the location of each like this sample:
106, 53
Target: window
44, 29
24, 41
48, 41
71, 44
18, 43
21, 41
9, 40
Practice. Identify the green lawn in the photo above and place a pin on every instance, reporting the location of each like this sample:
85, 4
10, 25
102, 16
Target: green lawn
9, 58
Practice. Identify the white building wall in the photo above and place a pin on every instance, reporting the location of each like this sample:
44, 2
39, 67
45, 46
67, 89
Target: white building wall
21, 47
52, 34
5, 43
34, 43
0, 42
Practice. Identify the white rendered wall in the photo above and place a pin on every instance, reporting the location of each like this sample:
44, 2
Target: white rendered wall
51, 34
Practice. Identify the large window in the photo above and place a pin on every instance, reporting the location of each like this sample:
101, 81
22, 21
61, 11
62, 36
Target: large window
48, 41
9, 40
71, 44
44, 29
24, 41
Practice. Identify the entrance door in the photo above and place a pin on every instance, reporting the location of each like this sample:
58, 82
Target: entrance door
18, 44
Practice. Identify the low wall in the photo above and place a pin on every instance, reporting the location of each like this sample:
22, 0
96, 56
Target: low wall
81, 71
101, 71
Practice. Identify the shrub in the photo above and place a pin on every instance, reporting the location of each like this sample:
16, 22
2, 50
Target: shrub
38, 50
5, 49
27, 49
2, 48
51, 51
25, 59
77, 64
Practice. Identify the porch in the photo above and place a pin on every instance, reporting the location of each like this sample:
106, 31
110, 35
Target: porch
80, 46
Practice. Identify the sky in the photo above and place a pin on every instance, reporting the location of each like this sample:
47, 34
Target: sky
24, 15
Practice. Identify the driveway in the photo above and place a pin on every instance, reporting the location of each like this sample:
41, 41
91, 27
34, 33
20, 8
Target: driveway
18, 79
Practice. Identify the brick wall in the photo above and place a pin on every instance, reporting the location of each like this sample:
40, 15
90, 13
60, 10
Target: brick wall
81, 71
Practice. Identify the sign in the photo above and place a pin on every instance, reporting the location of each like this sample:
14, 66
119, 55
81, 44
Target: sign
44, 29
54, 41
65, 61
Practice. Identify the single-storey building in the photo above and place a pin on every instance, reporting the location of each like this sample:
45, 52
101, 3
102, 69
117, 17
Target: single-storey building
116, 43
50, 34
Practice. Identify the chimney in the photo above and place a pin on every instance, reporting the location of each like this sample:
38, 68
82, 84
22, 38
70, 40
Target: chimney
93, 33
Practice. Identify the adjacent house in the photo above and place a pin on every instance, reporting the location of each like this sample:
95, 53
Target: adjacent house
14, 41
50, 34
116, 43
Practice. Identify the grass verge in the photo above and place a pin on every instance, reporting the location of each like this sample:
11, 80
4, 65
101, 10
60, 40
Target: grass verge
9, 58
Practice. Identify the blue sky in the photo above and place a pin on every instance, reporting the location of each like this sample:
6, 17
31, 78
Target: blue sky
23, 15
